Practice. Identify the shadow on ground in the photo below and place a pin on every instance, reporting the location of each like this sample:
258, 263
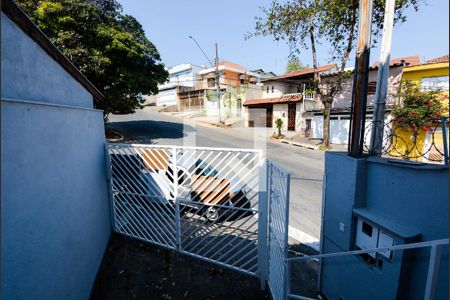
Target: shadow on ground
304, 274
148, 130
132, 269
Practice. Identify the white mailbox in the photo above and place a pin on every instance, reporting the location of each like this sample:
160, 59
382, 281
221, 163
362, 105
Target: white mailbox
366, 236
385, 240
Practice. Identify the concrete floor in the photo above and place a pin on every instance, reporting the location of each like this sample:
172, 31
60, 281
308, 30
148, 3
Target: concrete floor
306, 166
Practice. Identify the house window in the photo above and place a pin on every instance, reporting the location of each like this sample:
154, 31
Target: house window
435, 83
273, 88
371, 88
211, 82
299, 89
267, 90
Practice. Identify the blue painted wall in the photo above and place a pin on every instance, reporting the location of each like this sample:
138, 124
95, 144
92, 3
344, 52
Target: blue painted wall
28, 73
55, 221
398, 198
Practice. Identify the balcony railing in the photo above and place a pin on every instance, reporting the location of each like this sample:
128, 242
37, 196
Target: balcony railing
308, 96
427, 145
309, 104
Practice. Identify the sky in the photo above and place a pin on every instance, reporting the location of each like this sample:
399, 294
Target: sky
169, 23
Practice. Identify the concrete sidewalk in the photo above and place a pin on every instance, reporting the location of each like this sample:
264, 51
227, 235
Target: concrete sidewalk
214, 121
314, 144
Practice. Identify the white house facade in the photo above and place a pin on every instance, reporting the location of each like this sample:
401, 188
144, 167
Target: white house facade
180, 76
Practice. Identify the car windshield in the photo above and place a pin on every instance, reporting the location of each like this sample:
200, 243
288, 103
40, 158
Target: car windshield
202, 168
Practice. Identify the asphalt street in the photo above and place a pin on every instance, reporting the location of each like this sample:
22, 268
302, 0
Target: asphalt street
305, 166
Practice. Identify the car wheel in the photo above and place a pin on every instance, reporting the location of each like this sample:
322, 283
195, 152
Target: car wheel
212, 214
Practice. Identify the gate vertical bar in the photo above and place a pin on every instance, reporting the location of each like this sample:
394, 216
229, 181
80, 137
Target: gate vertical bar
433, 271
324, 197
286, 236
112, 215
263, 207
177, 203
444, 137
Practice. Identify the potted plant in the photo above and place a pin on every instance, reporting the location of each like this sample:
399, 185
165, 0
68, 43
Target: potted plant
279, 125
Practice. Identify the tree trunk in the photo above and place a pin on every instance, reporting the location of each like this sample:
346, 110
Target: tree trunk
326, 124
313, 48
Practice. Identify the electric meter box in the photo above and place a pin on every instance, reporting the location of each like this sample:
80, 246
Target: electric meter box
366, 236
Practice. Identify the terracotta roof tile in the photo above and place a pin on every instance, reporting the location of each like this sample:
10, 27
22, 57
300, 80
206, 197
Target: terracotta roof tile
408, 60
307, 71
232, 65
282, 99
440, 59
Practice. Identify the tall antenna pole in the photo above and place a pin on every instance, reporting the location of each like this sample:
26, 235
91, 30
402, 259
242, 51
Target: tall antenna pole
376, 139
359, 95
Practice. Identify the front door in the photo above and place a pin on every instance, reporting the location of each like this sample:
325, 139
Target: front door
308, 128
269, 116
238, 107
291, 116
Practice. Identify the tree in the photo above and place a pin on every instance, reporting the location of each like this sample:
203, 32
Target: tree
108, 47
304, 24
295, 64
420, 110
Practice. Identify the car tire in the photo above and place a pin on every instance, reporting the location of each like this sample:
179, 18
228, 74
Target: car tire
212, 214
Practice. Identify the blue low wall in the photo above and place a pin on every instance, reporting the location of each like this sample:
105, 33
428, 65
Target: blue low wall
409, 202
55, 221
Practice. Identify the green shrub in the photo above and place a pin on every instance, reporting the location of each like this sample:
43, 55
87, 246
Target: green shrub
279, 124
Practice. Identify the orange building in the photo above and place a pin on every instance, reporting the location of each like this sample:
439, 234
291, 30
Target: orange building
237, 84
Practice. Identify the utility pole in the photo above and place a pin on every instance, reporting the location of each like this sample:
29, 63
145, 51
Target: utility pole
376, 139
218, 84
361, 77
216, 71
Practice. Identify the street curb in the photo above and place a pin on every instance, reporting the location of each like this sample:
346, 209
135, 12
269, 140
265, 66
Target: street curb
304, 145
304, 238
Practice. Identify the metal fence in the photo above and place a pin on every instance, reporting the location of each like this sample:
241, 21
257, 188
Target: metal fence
203, 202
430, 284
428, 145
278, 190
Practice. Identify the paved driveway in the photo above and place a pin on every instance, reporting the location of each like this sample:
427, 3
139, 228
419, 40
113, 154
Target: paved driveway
306, 166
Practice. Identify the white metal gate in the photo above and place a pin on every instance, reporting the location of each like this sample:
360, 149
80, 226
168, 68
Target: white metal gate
203, 202
278, 193
222, 205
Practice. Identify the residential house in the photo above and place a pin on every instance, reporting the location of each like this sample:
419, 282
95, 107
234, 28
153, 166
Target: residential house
264, 75
237, 84
341, 110
181, 78
283, 97
431, 75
